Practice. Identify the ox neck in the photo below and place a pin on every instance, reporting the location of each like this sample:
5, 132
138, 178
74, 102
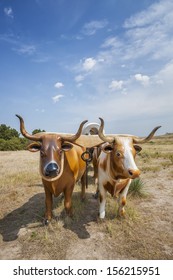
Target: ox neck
112, 170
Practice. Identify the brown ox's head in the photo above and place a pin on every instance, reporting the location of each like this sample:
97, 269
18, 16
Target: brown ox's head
51, 147
122, 150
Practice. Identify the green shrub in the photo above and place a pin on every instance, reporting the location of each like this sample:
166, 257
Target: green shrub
7, 133
10, 140
13, 144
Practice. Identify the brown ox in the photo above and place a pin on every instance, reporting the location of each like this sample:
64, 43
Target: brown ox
60, 164
117, 167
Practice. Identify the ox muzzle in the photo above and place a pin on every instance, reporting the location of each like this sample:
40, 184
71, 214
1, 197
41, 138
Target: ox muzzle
133, 173
52, 170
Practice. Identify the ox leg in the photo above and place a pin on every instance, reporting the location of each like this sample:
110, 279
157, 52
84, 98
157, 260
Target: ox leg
48, 202
83, 185
68, 201
122, 199
96, 195
95, 167
103, 193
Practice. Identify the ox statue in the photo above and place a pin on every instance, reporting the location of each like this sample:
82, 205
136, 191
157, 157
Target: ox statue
116, 166
60, 163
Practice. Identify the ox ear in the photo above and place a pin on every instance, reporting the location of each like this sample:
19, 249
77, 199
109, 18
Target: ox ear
107, 148
66, 147
34, 147
137, 148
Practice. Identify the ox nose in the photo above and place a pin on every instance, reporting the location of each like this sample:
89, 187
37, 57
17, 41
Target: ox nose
134, 173
52, 170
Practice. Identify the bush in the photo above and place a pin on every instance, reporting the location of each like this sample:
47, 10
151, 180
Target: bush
2, 145
10, 140
13, 144
7, 133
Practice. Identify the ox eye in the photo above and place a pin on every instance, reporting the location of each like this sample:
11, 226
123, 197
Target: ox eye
118, 154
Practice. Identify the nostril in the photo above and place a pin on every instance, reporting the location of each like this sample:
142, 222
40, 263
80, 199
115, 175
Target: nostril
134, 173
52, 170
130, 172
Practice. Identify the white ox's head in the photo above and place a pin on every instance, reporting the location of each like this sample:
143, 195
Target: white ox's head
122, 150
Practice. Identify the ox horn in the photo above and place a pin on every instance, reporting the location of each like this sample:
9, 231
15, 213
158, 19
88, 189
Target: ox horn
137, 140
25, 133
102, 136
77, 135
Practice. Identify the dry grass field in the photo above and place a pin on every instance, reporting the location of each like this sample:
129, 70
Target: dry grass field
145, 233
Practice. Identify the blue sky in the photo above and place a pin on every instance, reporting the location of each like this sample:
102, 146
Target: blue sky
63, 61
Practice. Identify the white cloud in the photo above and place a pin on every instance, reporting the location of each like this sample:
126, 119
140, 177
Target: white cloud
150, 32
79, 85
40, 110
143, 79
89, 64
26, 49
165, 75
155, 12
18, 45
146, 34
112, 42
56, 98
41, 58
58, 85
144, 108
131, 59
8, 12
92, 27
79, 78
116, 85
137, 104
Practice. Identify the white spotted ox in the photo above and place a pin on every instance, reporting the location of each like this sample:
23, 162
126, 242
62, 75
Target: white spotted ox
61, 165
116, 166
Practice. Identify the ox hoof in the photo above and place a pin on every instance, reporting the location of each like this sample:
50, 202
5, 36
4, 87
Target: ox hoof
96, 195
102, 215
46, 222
121, 213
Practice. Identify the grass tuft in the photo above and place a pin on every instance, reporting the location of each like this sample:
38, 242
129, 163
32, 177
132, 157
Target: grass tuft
137, 188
